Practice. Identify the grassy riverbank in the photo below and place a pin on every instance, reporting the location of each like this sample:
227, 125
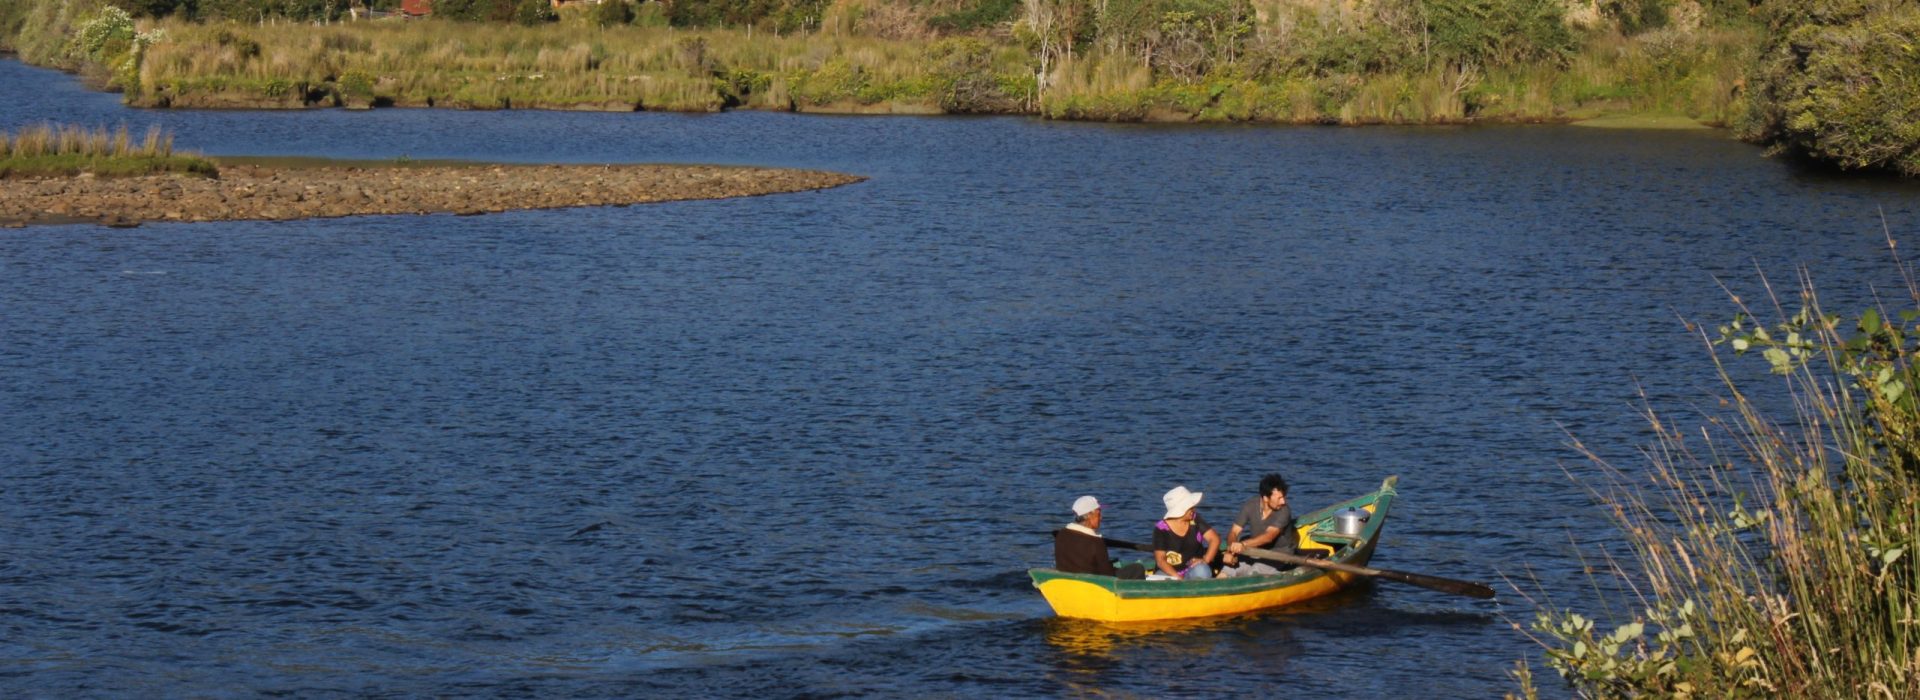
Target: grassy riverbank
1284, 69
1774, 555
52, 151
1832, 80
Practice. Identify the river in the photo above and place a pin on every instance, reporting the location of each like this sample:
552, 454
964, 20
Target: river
807, 445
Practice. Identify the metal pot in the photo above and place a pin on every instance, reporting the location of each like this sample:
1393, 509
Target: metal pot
1350, 522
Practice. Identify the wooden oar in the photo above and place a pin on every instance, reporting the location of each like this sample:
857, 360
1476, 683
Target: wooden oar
1444, 585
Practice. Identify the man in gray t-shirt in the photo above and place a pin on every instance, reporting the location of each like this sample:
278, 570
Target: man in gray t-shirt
1265, 522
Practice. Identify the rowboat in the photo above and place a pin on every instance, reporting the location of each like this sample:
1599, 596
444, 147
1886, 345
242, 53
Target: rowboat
1108, 599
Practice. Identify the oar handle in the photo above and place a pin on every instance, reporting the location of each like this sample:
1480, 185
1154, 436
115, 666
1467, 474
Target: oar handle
1123, 544
1444, 585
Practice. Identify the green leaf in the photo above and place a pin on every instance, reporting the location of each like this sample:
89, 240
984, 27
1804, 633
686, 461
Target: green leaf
1889, 556
1629, 631
1779, 360
1740, 344
1870, 321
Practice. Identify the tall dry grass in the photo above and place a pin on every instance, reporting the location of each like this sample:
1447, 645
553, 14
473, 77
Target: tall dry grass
487, 65
51, 150
1773, 555
1698, 74
70, 140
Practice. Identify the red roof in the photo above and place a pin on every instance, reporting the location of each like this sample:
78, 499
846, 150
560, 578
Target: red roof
416, 8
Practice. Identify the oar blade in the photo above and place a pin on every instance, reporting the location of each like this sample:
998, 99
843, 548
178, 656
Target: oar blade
1444, 585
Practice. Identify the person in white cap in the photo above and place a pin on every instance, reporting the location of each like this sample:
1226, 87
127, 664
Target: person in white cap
1078, 547
1183, 543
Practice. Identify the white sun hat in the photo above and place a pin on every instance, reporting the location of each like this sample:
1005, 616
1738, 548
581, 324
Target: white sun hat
1180, 500
1085, 504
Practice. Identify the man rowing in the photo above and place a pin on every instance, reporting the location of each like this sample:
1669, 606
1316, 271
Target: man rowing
1264, 521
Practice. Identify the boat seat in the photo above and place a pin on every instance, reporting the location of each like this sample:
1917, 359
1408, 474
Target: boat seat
1333, 538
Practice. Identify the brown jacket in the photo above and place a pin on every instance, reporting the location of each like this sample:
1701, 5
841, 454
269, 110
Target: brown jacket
1077, 552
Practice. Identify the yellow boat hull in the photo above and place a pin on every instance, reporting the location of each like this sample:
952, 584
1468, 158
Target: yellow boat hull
1080, 599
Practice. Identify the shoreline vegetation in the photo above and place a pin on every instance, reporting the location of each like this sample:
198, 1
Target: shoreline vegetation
1841, 92
50, 151
1771, 555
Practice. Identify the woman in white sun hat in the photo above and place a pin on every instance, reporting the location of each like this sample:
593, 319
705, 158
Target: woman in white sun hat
1183, 543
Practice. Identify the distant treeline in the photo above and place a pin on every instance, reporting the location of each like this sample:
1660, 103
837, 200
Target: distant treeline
1834, 80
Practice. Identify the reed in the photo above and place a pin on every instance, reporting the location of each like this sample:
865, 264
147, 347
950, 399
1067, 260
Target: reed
51, 149
1772, 556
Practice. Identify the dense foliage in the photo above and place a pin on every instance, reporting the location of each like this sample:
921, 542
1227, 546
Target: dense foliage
525, 12
774, 15
1840, 82
1498, 32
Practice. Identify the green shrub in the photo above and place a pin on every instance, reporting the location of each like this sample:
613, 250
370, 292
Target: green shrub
246, 48
524, 12
980, 14
532, 12
106, 35
963, 77
837, 80
611, 13
650, 14
777, 15
1498, 32
356, 84
1840, 82
1636, 16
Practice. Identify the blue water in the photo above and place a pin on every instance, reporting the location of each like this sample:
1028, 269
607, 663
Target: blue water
808, 444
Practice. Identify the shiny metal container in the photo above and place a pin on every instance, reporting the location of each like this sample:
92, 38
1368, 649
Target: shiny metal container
1350, 522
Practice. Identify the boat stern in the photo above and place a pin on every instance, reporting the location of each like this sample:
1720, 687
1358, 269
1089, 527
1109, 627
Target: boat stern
1078, 596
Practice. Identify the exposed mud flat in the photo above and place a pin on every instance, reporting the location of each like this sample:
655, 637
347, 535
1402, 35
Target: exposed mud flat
251, 191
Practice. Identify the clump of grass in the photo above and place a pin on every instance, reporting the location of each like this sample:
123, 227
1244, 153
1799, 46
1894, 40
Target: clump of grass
50, 150
1772, 558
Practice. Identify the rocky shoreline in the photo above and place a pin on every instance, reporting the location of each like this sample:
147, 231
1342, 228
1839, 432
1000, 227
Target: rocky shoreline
265, 192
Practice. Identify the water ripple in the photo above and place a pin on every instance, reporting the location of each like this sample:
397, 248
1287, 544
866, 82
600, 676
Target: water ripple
806, 445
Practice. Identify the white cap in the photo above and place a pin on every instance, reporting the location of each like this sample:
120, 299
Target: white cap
1085, 504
